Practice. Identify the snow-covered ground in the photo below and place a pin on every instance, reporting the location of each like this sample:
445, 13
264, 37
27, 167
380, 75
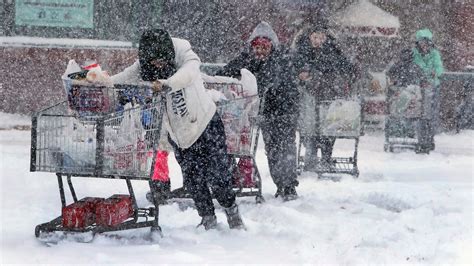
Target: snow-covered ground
14, 121
404, 208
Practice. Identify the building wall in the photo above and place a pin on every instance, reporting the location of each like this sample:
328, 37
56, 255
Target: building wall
452, 23
218, 31
31, 78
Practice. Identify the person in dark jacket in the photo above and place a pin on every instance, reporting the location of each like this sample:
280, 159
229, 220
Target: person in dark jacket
279, 104
403, 73
324, 74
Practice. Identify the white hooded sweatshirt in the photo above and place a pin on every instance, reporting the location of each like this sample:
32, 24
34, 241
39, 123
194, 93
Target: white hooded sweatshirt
189, 108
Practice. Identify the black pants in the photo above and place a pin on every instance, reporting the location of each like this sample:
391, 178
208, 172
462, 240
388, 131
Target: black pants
279, 136
425, 132
205, 165
312, 144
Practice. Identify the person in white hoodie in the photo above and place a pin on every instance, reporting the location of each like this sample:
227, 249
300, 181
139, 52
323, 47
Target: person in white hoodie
196, 131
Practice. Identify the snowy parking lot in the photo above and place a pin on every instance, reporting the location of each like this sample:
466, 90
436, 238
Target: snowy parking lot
404, 208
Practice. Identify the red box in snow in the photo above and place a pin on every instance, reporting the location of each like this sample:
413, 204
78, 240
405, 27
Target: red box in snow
81, 213
114, 210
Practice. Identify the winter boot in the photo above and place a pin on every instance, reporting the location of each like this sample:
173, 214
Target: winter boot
431, 146
233, 217
279, 192
209, 222
290, 193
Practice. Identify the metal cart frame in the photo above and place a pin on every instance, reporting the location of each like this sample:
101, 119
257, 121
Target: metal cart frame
419, 121
338, 165
48, 138
238, 152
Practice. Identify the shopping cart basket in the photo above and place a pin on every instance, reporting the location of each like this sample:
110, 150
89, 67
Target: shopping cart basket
407, 122
117, 145
340, 119
240, 118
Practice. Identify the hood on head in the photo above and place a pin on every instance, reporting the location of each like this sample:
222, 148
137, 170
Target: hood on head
424, 33
264, 29
321, 25
156, 44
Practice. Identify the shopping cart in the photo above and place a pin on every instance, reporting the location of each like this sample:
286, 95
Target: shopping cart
74, 141
339, 119
407, 123
240, 118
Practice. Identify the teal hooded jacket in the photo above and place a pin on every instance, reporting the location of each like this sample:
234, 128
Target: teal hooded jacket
431, 62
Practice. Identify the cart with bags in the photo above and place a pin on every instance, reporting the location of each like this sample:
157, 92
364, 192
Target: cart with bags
239, 115
86, 137
407, 123
336, 119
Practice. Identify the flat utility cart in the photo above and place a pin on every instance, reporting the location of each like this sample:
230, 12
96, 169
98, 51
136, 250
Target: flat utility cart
82, 138
239, 113
337, 119
407, 123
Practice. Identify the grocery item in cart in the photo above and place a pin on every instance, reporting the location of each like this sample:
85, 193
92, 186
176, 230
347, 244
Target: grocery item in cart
89, 91
406, 101
125, 149
114, 210
245, 173
80, 214
340, 118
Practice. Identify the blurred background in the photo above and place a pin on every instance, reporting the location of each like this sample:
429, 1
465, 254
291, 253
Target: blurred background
38, 37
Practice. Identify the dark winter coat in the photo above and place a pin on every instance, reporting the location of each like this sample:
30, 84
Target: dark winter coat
404, 73
279, 104
275, 81
331, 71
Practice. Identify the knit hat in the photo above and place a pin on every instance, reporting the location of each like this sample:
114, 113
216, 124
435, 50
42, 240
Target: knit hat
424, 34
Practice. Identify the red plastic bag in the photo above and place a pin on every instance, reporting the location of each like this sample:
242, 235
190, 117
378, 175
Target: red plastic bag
161, 171
244, 170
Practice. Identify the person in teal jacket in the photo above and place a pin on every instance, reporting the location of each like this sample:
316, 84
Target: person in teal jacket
428, 58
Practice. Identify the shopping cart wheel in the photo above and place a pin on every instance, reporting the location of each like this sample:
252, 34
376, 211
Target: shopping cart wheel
46, 228
38, 231
259, 199
419, 149
388, 148
155, 234
356, 174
